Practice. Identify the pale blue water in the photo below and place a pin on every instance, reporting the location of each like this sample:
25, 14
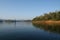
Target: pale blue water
25, 31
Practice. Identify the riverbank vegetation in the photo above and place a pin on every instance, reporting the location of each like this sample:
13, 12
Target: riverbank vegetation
51, 18
48, 16
49, 22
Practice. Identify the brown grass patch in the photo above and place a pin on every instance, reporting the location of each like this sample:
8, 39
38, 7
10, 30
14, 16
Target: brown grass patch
47, 22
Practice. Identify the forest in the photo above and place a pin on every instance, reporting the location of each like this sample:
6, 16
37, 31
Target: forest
55, 16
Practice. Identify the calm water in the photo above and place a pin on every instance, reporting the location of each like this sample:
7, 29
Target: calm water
25, 31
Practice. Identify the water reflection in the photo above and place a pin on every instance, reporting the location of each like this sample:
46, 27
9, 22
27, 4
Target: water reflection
50, 28
24, 31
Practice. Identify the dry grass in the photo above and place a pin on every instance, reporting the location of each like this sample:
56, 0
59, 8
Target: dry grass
47, 22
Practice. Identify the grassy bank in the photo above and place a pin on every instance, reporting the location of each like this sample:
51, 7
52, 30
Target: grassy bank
49, 22
51, 18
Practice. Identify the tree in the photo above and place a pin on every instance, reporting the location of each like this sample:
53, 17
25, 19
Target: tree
48, 16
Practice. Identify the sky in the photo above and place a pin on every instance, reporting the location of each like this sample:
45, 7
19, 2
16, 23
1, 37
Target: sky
27, 9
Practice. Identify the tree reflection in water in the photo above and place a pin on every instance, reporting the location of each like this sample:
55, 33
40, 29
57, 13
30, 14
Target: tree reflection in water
50, 28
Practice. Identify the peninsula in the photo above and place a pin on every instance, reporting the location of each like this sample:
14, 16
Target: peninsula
51, 18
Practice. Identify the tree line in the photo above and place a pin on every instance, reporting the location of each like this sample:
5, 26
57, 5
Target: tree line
48, 16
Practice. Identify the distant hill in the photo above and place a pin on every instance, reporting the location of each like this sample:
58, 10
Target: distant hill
15, 20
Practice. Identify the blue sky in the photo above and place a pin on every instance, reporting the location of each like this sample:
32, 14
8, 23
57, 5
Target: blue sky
26, 9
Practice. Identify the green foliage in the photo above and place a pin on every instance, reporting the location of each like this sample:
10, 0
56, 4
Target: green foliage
48, 16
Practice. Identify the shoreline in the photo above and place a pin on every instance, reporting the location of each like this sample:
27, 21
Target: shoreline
49, 22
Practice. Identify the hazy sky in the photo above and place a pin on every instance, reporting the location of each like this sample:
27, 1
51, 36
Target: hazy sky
26, 9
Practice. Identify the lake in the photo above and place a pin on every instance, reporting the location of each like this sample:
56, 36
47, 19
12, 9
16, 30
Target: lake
25, 31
